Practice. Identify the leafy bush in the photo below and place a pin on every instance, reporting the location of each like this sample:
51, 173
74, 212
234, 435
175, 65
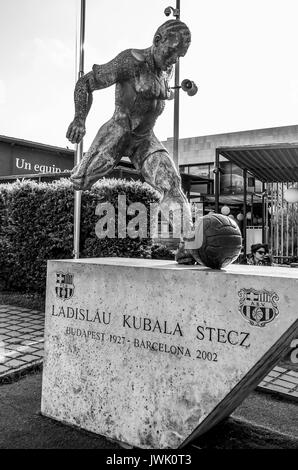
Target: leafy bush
36, 224
110, 191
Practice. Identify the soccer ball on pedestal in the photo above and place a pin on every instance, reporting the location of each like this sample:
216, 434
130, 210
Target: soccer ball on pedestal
219, 241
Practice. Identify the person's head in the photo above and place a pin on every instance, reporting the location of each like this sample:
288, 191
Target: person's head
259, 250
171, 41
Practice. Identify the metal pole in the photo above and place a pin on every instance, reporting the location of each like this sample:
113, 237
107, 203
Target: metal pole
273, 208
263, 213
79, 147
282, 221
244, 211
293, 215
266, 239
287, 226
275, 215
252, 210
296, 227
176, 102
277, 219
216, 181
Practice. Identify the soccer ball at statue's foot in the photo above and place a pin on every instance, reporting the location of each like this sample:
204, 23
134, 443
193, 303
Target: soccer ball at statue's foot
218, 241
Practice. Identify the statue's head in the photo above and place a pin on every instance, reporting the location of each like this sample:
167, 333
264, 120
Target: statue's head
171, 41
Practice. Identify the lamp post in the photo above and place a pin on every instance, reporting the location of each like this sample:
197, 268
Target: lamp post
79, 147
176, 13
187, 85
291, 195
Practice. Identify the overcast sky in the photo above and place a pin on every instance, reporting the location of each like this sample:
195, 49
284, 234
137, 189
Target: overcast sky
243, 57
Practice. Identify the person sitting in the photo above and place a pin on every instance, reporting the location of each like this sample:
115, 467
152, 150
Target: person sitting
259, 255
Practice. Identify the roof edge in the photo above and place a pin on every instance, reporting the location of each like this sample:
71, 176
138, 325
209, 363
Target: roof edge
38, 145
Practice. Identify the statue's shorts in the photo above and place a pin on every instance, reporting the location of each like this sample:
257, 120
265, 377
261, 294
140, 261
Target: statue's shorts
145, 151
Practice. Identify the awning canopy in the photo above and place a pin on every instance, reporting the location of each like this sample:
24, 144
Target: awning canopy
268, 163
234, 199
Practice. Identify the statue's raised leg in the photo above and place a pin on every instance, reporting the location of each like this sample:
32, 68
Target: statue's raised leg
159, 171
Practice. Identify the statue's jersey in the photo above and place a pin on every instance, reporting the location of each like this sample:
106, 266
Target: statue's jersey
140, 89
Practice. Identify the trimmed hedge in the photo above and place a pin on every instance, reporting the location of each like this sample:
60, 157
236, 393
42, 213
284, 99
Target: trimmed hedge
36, 224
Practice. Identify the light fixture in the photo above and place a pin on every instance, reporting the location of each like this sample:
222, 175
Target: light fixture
248, 215
240, 217
225, 210
291, 195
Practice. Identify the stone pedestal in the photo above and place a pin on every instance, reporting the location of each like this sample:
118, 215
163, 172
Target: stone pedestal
152, 353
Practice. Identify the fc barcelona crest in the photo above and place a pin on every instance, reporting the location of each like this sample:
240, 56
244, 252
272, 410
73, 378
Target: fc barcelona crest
258, 307
64, 285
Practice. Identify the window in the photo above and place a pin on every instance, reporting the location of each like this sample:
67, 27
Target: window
200, 170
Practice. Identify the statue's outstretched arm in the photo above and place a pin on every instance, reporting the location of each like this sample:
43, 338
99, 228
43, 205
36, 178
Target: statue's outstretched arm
83, 101
102, 76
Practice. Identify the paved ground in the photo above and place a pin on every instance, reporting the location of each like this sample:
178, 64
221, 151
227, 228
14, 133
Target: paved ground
282, 381
21, 338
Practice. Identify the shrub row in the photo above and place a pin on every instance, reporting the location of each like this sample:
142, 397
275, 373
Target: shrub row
36, 224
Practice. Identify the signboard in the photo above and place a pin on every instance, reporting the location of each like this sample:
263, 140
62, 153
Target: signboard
21, 159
